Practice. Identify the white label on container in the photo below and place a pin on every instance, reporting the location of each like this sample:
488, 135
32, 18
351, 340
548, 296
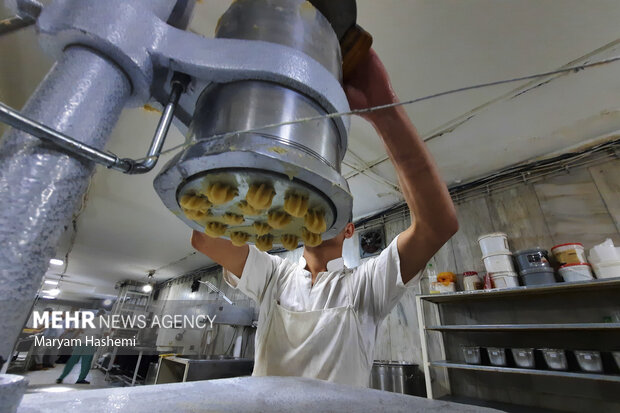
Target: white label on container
587, 357
553, 355
521, 354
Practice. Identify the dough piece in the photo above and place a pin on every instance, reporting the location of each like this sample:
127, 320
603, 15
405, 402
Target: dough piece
215, 229
247, 209
195, 215
259, 196
278, 219
264, 243
261, 228
289, 241
239, 238
314, 221
233, 219
194, 203
220, 193
310, 239
296, 205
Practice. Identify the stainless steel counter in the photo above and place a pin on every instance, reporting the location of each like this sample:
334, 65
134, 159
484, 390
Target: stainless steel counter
244, 394
179, 369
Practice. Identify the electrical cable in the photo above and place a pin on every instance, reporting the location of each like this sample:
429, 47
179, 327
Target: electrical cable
573, 69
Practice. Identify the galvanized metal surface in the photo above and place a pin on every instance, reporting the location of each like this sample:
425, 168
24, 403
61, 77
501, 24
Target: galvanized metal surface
244, 394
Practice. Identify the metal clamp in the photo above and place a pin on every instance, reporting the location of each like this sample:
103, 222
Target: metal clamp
15, 119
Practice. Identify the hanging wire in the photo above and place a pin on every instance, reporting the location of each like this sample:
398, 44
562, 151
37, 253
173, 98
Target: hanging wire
573, 69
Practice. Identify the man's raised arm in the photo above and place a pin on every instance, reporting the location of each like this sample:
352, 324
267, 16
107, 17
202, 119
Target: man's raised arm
221, 251
433, 217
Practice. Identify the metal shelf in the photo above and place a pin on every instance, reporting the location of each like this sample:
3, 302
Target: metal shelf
527, 327
534, 372
524, 291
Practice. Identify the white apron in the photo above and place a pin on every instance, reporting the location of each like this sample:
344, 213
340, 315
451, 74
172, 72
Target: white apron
322, 344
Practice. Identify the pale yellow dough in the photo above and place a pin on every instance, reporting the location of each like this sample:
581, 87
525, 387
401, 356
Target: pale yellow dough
259, 196
289, 241
261, 228
233, 219
314, 221
247, 209
310, 239
296, 205
215, 229
220, 193
278, 219
264, 243
195, 215
239, 238
194, 202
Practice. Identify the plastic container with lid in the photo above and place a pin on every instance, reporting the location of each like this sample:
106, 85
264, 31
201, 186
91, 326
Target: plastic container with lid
570, 253
575, 272
494, 243
532, 258
471, 281
498, 263
507, 279
538, 276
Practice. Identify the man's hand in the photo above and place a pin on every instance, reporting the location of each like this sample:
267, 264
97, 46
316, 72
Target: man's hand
369, 85
221, 251
433, 217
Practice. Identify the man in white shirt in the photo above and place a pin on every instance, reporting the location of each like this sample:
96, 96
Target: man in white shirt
318, 318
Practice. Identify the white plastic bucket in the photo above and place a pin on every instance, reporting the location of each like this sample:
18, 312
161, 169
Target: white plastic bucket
495, 243
572, 253
576, 272
607, 269
506, 279
498, 263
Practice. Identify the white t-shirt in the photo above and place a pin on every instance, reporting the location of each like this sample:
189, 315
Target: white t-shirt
376, 285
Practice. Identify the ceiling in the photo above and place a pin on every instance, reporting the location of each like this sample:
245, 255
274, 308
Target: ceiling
428, 46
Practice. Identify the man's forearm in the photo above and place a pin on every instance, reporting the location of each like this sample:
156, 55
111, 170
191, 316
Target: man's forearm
432, 210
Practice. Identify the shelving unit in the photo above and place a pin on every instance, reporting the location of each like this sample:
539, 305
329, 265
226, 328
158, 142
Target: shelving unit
532, 316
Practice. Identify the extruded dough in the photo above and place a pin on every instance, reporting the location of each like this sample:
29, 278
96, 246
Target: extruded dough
259, 196
278, 219
296, 205
289, 241
261, 228
314, 221
215, 229
247, 209
195, 215
264, 243
220, 193
239, 238
310, 239
194, 202
233, 219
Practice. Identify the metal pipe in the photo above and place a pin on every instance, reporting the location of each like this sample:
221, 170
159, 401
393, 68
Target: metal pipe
14, 23
17, 120
40, 186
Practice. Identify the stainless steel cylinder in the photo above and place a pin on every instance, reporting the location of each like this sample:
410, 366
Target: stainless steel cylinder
304, 158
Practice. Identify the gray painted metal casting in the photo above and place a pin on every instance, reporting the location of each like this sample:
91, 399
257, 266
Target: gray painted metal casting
41, 186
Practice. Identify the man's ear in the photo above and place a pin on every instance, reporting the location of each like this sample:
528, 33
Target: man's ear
349, 230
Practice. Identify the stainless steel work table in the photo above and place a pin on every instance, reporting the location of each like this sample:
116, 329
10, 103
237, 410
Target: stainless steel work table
243, 394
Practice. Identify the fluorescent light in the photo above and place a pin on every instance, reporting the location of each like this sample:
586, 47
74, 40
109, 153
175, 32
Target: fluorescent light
147, 288
49, 297
53, 292
51, 282
56, 261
